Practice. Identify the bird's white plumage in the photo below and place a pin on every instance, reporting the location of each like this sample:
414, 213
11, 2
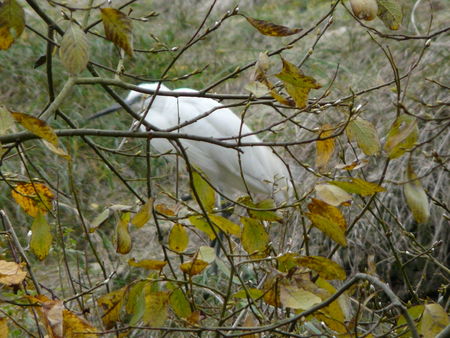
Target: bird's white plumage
264, 173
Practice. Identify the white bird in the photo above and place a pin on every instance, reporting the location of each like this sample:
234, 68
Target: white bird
264, 173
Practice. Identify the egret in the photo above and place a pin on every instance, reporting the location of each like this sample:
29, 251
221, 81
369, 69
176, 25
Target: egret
256, 170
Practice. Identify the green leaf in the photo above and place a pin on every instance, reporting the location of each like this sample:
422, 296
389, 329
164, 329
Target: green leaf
263, 215
365, 135
12, 23
358, 186
118, 29
296, 83
74, 50
390, 12
206, 194
402, 136
202, 224
207, 254
254, 293
271, 29
415, 196
179, 303
41, 237
178, 238
135, 301
254, 239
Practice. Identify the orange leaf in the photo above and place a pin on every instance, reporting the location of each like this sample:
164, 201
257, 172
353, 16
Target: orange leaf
34, 198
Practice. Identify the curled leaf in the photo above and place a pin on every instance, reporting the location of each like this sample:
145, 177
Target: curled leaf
271, 29
37, 126
124, 243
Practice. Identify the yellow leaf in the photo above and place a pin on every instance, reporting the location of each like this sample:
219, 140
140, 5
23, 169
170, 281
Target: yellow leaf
194, 267
11, 273
36, 126
402, 136
295, 297
111, 304
41, 237
287, 261
325, 267
74, 49
178, 238
202, 224
143, 215
254, 239
206, 194
416, 198
12, 23
271, 29
156, 307
296, 83
332, 194
434, 320
148, 264
34, 198
357, 164
124, 243
57, 150
332, 315
74, 324
358, 186
391, 13
365, 135
324, 148
328, 219
226, 225
118, 29
4, 330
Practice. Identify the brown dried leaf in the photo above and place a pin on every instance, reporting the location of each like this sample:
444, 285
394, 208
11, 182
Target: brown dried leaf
118, 29
11, 273
271, 29
324, 148
4, 330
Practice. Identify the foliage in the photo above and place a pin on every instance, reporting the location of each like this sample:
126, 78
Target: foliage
97, 235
